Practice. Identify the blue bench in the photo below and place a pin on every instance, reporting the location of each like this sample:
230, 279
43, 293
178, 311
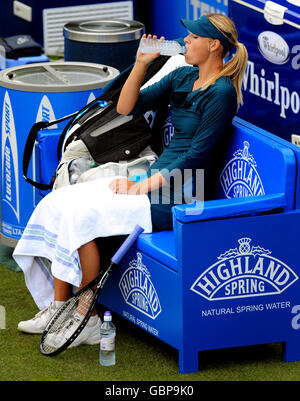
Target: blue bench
227, 275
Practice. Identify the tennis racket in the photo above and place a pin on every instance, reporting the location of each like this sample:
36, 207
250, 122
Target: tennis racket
71, 318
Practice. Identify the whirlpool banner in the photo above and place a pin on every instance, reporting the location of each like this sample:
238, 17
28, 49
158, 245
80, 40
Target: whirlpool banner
271, 85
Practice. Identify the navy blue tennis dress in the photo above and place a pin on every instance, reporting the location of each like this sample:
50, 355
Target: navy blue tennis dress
199, 118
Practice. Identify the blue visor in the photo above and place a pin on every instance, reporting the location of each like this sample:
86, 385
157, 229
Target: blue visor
204, 28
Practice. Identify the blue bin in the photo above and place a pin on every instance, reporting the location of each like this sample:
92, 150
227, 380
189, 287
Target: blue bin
31, 93
271, 86
107, 41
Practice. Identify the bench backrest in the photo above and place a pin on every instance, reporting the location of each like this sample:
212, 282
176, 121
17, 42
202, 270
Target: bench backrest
294, 148
248, 163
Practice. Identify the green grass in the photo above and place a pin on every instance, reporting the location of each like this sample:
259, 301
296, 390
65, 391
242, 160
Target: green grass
140, 356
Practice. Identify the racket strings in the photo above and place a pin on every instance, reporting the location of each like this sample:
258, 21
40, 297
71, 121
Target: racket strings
66, 321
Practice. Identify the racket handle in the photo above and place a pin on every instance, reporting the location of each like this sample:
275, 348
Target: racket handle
127, 244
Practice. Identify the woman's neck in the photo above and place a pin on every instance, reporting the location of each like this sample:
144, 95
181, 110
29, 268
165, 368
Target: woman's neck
206, 72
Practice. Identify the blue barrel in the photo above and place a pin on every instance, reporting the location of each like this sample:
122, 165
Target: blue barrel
171, 27
31, 93
107, 41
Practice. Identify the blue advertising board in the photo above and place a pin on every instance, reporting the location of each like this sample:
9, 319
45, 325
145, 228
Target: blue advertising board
171, 27
271, 85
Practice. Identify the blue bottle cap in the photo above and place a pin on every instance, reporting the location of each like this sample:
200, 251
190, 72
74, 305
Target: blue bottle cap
107, 315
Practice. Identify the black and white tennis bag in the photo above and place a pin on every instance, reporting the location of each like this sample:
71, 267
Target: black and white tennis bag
107, 135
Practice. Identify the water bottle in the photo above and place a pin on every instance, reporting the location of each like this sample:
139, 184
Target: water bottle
107, 341
165, 47
77, 167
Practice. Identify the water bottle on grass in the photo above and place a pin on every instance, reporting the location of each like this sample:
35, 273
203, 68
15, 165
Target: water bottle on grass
107, 341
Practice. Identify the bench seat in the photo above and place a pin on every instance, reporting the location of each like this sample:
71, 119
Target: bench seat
160, 246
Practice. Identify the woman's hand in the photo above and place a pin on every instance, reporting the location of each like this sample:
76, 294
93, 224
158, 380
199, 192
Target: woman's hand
125, 186
147, 58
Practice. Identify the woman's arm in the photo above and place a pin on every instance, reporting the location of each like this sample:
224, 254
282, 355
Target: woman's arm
131, 89
125, 186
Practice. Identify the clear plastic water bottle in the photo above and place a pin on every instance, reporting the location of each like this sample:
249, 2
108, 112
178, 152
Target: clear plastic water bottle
77, 167
165, 47
107, 341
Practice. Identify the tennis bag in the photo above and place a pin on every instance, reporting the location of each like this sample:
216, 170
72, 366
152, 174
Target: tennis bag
108, 136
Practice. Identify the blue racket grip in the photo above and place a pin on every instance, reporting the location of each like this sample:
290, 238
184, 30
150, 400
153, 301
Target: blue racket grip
127, 244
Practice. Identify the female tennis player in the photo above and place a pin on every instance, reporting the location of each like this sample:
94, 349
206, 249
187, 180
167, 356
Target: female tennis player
68, 225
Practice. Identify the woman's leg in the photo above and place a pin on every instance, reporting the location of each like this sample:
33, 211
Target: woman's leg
62, 290
90, 264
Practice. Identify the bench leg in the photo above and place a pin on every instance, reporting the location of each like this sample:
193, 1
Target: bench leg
188, 361
291, 350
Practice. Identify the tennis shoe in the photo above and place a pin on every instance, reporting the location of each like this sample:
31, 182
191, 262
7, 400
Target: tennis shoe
37, 324
89, 335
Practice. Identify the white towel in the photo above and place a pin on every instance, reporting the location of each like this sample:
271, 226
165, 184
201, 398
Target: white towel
65, 220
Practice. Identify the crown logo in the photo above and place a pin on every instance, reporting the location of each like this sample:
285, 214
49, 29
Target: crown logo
244, 247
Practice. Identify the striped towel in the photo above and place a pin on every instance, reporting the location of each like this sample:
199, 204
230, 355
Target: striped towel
65, 220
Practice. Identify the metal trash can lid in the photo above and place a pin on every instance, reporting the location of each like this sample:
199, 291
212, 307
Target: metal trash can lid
57, 76
104, 31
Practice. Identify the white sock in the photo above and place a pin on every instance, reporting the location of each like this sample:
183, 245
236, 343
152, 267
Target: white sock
93, 320
58, 304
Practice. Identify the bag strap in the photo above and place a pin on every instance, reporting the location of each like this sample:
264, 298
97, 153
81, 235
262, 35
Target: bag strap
110, 93
65, 131
30, 145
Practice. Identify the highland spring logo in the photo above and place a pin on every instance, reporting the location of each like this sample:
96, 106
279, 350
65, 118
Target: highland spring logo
242, 272
239, 177
138, 290
168, 131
